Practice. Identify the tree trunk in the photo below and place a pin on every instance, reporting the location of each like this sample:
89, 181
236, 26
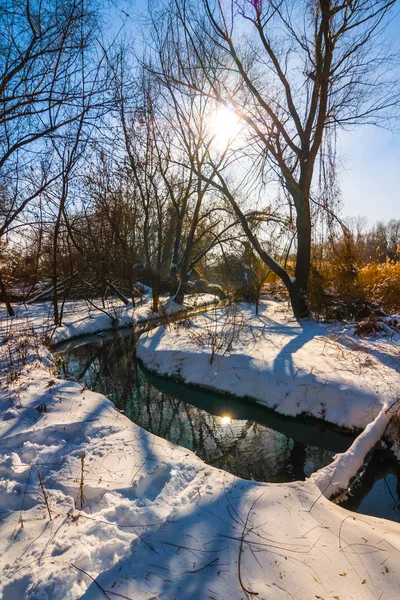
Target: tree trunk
116, 291
174, 282
10, 310
180, 292
258, 296
303, 228
298, 300
175, 256
56, 316
156, 291
297, 287
185, 270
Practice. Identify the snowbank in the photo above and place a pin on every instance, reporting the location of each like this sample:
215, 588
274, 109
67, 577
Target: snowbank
83, 318
294, 368
132, 516
336, 477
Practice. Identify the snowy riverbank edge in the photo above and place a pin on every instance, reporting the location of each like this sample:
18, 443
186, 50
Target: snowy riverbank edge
156, 522
294, 368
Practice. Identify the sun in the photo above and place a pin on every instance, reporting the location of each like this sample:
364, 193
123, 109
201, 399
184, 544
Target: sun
225, 126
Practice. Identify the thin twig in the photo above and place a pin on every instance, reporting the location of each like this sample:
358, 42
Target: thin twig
44, 493
241, 549
105, 592
81, 494
210, 564
94, 581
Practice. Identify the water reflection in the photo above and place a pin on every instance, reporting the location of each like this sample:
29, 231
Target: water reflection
378, 492
246, 440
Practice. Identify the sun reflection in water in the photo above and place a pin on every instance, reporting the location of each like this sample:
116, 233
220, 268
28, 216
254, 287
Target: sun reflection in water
225, 420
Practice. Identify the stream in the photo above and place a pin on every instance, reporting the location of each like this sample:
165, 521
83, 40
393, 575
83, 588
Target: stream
245, 439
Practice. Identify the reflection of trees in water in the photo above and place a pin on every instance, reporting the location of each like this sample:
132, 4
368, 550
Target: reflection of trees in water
106, 366
243, 447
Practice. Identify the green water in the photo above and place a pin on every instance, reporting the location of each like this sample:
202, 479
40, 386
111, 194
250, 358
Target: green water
240, 437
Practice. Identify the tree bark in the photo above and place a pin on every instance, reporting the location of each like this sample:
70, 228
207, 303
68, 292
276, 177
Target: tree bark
10, 310
298, 300
156, 291
180, 293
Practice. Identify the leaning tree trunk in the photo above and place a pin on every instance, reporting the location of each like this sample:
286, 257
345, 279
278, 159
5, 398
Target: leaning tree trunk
297, 285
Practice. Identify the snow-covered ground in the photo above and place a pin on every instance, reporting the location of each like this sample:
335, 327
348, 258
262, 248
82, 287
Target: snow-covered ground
130, 515
84, 318
307, 367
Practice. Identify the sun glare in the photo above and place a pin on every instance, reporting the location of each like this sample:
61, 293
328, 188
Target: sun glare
225, 126
225, 420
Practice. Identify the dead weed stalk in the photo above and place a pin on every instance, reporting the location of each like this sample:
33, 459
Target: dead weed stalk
43, 493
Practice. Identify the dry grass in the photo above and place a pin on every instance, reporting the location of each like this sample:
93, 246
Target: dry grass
381, 283
374, 282
340, 280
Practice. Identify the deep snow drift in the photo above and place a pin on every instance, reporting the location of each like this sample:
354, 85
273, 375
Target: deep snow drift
133, 516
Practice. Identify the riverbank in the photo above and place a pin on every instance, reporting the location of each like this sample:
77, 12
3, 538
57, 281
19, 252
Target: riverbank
93, 506
322, 370
82, 317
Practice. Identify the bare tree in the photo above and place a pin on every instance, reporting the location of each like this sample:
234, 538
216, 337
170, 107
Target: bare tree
294, 72
49, 80
69, 155
193, 130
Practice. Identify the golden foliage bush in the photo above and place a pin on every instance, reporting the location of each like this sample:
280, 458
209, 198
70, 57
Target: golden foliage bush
381, 283
373, 282
343, 278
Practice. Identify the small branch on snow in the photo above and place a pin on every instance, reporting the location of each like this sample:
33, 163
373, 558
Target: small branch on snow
243, 535
105, 592
210, 564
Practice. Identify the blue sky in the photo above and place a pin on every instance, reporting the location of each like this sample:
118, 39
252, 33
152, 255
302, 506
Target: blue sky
370, 156
369, 174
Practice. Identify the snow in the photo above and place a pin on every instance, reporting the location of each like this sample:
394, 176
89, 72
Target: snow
290, 366
336, 476
82, 318
156, 522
